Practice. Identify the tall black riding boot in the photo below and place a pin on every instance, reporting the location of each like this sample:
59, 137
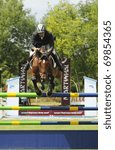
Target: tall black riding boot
56, 59
27, 65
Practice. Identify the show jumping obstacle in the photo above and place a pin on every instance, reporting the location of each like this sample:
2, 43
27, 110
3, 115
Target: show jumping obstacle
35, 139
70, 108
60, 94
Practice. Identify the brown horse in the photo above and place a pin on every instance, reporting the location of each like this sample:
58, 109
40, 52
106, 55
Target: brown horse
43, 71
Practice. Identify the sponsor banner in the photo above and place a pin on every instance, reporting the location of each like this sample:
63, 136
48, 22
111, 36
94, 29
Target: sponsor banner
51, 112
22, 82
66, 81
23, 77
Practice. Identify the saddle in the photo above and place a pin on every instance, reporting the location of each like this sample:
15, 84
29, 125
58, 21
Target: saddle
52, 59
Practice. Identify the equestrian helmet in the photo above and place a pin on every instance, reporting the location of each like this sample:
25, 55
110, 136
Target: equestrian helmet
40, 28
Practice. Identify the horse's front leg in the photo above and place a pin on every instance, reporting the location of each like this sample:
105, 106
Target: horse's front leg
51, 85
37, 90
42, 85
34, 80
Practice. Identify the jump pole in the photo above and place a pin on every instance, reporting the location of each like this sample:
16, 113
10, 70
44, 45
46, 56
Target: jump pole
72, 122
59, 94
70, 108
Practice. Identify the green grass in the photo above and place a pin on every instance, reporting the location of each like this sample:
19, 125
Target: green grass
49, 127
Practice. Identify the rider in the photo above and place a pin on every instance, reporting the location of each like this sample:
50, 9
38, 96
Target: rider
43, 38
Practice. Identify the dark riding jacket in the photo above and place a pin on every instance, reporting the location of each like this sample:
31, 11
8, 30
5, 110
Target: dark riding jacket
47, 40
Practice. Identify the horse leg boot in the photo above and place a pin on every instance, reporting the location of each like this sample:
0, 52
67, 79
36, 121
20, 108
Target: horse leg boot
56, 59
37, 90
42, 85
51, 85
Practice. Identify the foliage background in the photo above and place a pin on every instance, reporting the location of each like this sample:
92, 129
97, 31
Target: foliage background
75, 28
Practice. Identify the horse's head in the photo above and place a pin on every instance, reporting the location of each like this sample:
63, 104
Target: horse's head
42, 53
44, 62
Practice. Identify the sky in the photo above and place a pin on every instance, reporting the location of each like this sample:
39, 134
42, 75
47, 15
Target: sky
40, 7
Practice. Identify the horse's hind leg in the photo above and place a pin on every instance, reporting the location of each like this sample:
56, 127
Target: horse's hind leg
37, 90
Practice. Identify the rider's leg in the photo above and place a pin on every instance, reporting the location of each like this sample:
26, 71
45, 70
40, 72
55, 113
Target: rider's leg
56, 59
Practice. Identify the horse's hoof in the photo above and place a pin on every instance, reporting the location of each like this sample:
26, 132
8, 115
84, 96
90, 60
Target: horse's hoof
39, 93
49, 93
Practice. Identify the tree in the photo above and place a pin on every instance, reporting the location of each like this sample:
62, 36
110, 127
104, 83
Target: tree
16, 27
89, 34
75, 28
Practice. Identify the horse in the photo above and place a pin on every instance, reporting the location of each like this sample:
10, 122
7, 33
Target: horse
43, 71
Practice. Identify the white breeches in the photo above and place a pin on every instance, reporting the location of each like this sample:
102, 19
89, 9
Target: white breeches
33, 52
